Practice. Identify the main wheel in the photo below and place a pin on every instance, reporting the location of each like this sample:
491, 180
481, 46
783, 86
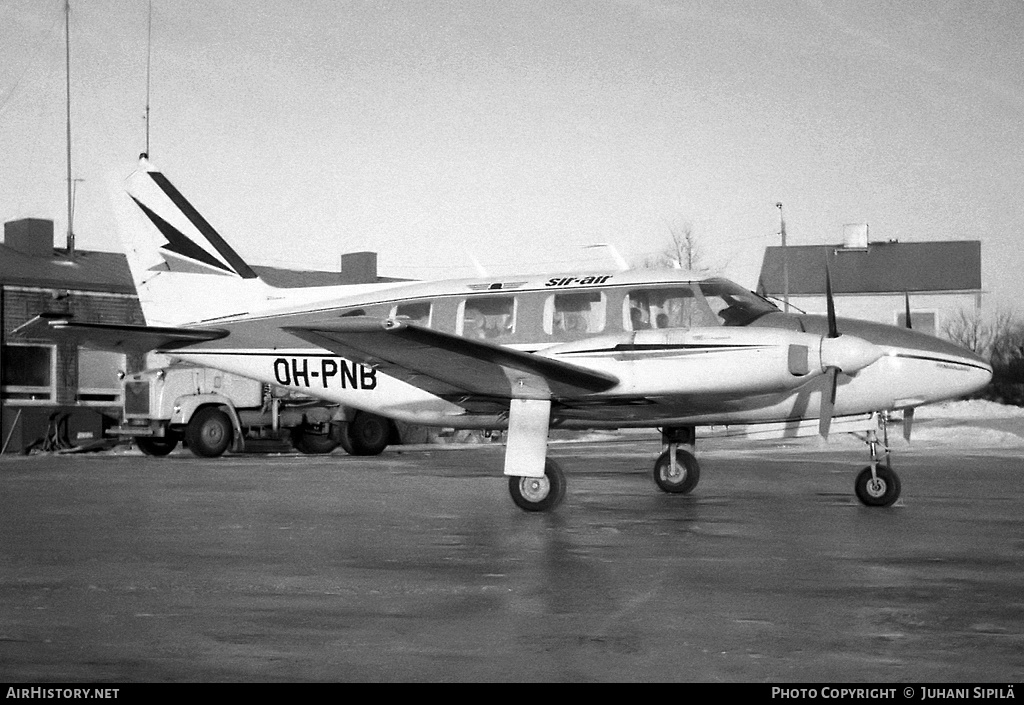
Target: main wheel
539, 494
680, 480
307, 441
880, 491
368, 434
156, 447
209, 432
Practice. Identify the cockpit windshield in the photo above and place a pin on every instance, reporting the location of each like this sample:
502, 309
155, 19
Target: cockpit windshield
732, 304
715, 302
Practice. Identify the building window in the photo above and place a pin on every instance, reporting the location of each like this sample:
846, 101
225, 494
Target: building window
29, 372
568, 315
97, 377
490, 318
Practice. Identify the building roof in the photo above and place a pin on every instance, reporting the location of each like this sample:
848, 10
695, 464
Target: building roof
28, 258
86, 271
108, 272
879, 268
294, 278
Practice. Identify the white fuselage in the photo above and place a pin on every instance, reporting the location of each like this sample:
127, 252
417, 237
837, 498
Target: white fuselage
688, 364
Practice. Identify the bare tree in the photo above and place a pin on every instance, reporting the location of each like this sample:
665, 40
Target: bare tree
967, 329
999, 339
684, 251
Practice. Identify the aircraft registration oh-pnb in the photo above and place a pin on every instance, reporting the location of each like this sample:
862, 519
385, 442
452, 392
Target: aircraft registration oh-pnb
626, 349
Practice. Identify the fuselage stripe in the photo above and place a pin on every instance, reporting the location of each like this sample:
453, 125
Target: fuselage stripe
929, 358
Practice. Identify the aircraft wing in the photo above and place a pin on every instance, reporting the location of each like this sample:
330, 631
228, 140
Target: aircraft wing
115, 336
447, 364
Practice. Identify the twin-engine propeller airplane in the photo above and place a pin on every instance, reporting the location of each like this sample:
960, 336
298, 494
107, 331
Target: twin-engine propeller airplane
626, 349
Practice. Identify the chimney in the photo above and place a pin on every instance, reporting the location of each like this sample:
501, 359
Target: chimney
359, 268
855, 236
30, 236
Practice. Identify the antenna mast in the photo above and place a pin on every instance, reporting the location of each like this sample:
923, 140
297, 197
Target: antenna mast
67, 51
149, 58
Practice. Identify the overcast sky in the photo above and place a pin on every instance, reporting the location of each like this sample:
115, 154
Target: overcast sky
520, 132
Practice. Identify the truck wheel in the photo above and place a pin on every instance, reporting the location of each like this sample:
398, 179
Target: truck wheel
156, 447
209, 432
368, 434
343, 439
306, 441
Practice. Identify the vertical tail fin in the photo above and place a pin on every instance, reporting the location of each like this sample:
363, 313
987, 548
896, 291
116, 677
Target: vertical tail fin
185, 272
183, 269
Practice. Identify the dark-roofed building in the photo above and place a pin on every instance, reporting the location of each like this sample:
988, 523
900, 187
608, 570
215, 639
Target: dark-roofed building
871, 280
46, 383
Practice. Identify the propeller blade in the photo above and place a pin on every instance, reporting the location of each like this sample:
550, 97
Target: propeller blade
833, 328
906, 301
828, 402
908, 422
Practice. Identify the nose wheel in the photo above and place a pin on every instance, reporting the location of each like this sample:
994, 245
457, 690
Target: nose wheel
879, 488
878, 485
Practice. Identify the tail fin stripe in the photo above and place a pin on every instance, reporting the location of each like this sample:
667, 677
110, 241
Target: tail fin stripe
179, 243
230, 256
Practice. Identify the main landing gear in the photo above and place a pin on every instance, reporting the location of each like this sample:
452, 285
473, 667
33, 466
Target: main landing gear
676, 470
539, 494
878, 485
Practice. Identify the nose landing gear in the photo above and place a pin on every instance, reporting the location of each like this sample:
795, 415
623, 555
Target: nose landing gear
878, 485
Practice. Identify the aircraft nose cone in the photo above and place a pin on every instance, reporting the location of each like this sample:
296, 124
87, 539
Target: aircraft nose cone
974, 373
848, 353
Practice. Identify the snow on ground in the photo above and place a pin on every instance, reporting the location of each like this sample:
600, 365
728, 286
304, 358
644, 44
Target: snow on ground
971, 409
964, 424
975, 423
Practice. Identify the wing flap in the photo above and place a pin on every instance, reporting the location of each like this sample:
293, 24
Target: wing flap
442, 363
116, 337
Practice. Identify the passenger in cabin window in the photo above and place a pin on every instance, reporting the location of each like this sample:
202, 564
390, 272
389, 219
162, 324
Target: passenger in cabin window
638, 318
474, 326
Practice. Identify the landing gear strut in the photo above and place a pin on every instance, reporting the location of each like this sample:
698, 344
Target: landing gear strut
878, 485
677, 471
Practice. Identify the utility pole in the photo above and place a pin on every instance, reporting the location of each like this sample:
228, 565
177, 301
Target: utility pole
785, 261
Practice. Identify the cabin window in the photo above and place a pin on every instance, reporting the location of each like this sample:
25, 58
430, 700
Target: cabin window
567, 315
669, 307
417, 312
29, 372
488, 318
97, 376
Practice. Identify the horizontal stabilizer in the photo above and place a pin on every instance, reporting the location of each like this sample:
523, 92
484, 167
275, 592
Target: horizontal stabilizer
445, 363
114, 336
